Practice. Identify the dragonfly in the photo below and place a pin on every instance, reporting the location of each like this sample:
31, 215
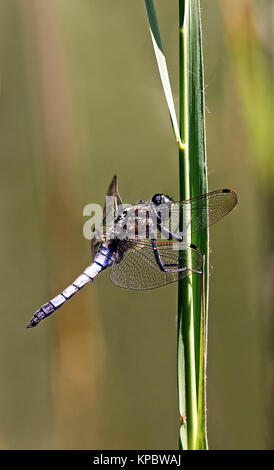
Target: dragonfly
144, 246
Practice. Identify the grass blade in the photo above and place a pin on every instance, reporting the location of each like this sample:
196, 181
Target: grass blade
192, 325
192, 291
161, 61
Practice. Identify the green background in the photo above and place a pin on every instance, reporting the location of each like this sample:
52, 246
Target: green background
81, 100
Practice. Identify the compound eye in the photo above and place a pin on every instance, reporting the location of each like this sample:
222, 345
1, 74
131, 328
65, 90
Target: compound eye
157, 199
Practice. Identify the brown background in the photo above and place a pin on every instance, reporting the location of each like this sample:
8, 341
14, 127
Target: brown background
81, 100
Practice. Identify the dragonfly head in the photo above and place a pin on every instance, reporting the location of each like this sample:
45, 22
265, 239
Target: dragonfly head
159, 199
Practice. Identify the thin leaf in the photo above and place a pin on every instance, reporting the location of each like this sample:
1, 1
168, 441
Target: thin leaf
161, 61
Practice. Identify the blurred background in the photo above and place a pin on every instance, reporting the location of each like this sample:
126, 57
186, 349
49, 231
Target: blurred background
81, 100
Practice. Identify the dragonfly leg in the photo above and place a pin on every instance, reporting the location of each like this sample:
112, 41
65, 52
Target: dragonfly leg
157, 255
171, 267
160, 263
167, 233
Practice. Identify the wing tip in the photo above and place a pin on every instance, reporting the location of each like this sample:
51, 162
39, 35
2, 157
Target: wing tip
230, 191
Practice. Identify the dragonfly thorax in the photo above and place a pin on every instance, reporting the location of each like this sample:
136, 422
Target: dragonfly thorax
135, 222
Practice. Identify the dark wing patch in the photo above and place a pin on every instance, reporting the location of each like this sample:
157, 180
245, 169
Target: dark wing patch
96, 241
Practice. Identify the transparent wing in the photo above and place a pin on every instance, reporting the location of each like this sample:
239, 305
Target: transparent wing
177, 219
96, 241
200, 212
150, 264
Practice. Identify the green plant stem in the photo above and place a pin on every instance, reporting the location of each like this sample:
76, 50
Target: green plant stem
193, 181
192, 290
186, 343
